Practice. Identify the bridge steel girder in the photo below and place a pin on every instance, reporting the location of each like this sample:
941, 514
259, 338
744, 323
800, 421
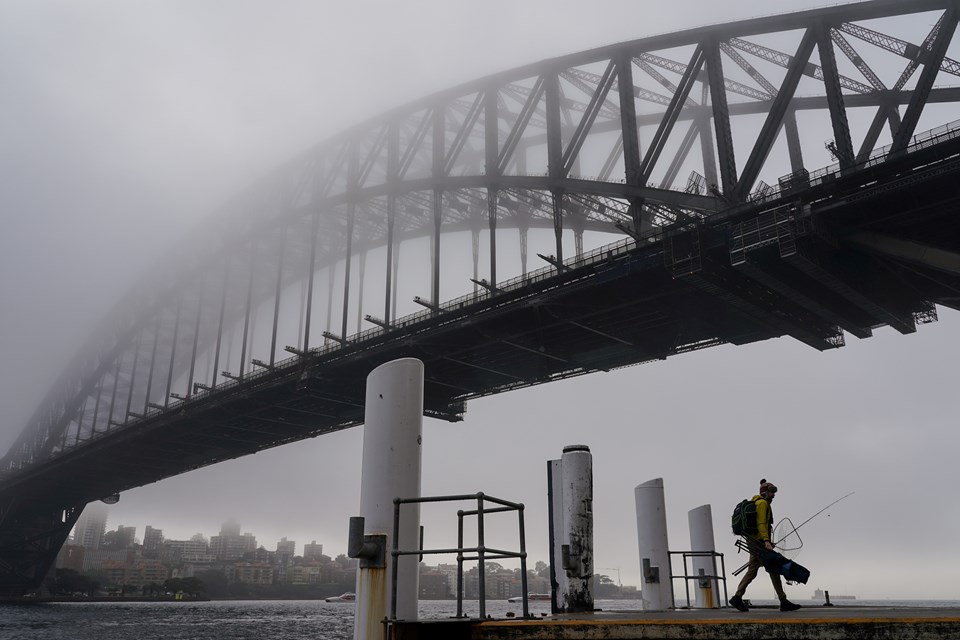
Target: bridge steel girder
781, 315
721, 120
367, 188
925, 83
767, 275
775, 119
670, 117
838, 111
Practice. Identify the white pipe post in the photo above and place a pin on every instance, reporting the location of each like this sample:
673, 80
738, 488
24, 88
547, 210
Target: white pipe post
701, 539
576, 472
392, 431
656, 592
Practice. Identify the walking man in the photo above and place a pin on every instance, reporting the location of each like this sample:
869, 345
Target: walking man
758, 542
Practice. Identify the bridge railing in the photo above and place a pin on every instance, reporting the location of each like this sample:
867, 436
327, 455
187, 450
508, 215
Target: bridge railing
818, 177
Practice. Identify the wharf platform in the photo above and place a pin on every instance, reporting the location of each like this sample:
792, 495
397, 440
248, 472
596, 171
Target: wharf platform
760, 623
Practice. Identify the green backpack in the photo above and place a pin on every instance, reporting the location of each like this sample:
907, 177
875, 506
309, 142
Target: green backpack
744, 518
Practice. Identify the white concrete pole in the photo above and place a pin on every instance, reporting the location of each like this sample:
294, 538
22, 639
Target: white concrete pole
576, 472
701, 539
392, 432
656, 590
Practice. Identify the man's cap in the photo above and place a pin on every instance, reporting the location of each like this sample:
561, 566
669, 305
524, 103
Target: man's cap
767, 488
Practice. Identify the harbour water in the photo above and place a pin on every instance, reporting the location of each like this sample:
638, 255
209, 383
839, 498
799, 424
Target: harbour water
260, 620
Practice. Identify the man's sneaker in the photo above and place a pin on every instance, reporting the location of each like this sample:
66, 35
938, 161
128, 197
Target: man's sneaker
785, 605
737, 603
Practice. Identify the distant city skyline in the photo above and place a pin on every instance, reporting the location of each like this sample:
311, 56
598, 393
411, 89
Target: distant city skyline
95, 522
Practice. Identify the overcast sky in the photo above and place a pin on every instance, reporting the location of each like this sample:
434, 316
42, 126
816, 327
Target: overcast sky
124, 123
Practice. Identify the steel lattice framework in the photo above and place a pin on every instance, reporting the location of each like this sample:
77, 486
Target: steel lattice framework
591, 142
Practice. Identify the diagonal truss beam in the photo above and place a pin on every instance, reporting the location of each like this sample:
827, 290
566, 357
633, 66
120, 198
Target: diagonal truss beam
417, 140
783, 60
721, 119
670, 117
678, 67
751, 71
925, 83
925, 49
373, 155
647, 68
889, 111
775, 119
857, 61
473, 114
589, 116
516, 132
629, 138
896, 45
838, 111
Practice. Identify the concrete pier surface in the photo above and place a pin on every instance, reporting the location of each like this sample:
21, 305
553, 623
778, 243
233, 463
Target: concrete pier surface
760, 623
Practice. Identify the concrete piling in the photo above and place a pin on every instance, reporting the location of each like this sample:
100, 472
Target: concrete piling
707, 590
571, 492
656, 592
392, 434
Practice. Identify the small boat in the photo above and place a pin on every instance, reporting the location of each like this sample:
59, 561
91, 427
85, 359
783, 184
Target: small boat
343, 597
533, 597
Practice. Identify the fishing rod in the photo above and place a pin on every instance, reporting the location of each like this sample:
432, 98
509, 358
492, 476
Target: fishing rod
813, 516
753, 546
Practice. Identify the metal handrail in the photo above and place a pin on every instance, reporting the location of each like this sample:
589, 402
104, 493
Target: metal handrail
482, 552
686, 577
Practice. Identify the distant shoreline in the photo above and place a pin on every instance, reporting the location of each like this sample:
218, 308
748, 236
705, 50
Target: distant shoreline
49, 599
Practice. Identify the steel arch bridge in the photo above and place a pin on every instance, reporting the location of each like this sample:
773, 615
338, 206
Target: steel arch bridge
242, 340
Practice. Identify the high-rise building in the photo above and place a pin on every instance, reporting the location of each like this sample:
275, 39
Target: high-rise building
126, 537
91, 526
286, 548
193, 550
152, 541
312, 551
230, 528
230, 545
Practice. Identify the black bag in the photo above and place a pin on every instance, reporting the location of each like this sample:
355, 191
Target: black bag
744, 519
791, 571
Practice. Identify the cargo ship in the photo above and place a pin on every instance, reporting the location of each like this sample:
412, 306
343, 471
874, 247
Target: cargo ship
820, 594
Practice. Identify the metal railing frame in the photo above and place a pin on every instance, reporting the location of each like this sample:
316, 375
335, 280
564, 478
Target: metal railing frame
686, 577
483, 553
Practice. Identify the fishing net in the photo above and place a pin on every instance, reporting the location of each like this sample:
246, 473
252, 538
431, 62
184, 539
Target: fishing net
786, 539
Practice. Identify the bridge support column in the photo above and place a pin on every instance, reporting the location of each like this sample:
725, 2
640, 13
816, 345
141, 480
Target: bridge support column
571, 505
701, 539
391, 469
656, 592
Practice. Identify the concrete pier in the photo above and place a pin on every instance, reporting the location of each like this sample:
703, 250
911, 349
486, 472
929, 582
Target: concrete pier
809, 623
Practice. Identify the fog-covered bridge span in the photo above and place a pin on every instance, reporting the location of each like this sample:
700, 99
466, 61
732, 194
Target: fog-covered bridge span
639, 167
